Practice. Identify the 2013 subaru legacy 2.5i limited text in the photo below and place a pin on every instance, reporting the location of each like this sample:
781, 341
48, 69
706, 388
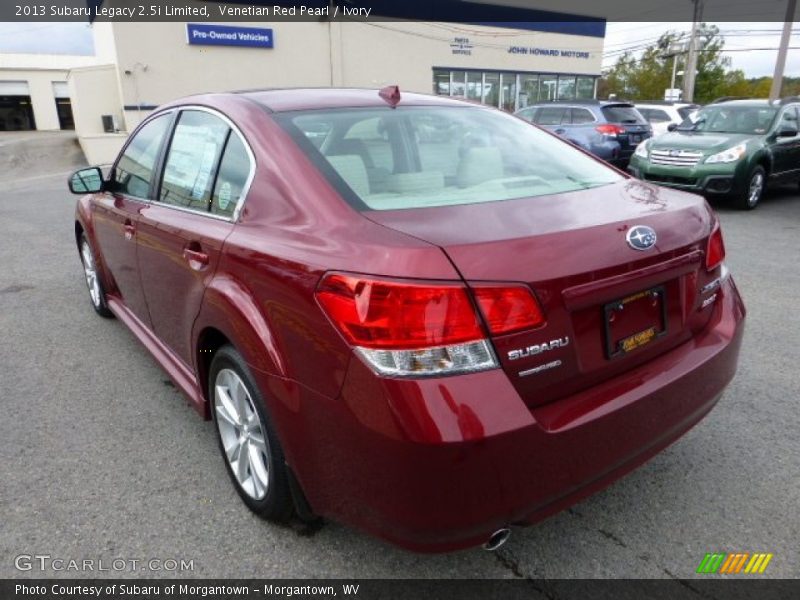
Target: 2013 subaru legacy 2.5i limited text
427, 319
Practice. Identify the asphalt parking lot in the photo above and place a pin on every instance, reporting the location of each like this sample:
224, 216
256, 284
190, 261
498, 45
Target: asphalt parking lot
102, 458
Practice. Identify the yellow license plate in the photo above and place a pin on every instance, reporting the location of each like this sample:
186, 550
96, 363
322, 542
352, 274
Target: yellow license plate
637, 340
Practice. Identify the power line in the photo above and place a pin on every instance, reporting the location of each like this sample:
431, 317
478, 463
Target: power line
726, 50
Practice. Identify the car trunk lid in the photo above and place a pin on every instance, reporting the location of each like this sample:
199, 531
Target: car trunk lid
597, 292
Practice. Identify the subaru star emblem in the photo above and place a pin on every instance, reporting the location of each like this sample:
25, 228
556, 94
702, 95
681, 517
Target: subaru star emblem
641, 237
674, 152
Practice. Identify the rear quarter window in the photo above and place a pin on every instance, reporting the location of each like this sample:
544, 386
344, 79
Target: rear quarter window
234, 173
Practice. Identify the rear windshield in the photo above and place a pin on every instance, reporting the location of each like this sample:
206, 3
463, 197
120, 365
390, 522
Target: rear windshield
414, 157
620, 113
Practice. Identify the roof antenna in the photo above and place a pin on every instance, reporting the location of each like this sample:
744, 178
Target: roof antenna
391, 95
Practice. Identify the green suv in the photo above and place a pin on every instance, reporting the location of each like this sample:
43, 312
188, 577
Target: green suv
730, 147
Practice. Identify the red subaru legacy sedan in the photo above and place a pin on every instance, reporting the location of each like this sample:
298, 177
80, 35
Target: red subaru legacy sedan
425, 318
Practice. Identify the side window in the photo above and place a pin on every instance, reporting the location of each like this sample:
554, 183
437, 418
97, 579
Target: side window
192, 160
582, 115
550, 115
655, 115
134, 171
790, 117
234, 171
527, 113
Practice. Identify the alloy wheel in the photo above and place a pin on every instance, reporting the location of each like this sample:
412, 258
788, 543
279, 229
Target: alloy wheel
242, 434
756, 188
90, 271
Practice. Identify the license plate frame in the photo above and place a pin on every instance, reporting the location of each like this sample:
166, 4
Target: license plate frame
626, 344
636, 138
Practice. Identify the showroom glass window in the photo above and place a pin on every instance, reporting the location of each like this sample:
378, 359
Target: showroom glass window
585, 88
458, 82
192, 160
509, 90
441, 83
491, 89
134, 170
566, 87
474, 85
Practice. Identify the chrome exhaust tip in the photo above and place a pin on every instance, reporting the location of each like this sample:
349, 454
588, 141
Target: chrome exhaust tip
497, 539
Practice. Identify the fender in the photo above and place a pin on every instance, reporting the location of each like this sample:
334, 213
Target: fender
84, 220
765, 153
229, 307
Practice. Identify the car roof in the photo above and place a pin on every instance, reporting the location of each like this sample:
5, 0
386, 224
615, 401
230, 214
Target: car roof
290, 99
600, 103
760, 102
665, 103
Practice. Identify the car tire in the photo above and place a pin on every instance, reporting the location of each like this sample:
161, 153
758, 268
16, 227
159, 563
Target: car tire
250, 448
753, 190
97, 293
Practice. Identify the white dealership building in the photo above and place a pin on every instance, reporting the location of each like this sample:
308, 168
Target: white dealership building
138, 66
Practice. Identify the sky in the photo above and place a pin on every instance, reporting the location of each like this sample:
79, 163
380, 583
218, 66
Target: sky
76, 38
740, 36
46, 38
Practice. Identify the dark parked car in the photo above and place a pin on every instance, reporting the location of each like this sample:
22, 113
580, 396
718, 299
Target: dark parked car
430, 337
608, 129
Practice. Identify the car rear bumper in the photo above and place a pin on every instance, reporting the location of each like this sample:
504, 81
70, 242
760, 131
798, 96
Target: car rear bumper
440, 464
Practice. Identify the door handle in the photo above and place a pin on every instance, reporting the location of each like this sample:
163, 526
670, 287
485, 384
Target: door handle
130, 230
559, 131
197, 256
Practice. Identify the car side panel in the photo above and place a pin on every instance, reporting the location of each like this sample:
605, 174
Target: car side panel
173, 282
115, 219
786, 157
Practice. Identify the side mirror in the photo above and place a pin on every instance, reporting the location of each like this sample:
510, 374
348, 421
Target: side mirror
86, 181
672, 127
787, 131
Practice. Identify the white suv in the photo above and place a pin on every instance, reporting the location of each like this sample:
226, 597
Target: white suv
662, 114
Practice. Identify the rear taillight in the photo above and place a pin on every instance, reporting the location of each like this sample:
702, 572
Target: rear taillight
715, 250
509, 308
391, 315
403, 328
407, 328
610, 130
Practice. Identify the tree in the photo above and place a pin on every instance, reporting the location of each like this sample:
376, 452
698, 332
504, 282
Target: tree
647, 77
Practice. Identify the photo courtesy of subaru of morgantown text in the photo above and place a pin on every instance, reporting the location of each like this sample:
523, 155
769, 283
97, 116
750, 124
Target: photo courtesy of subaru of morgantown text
418, 316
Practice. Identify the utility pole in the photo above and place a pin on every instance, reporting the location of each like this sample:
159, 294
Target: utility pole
780, 63
691, 61
674, 49
674, 70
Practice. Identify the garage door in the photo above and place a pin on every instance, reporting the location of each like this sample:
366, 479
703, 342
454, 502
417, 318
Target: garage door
16, 111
